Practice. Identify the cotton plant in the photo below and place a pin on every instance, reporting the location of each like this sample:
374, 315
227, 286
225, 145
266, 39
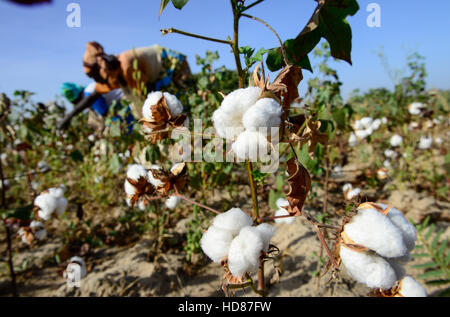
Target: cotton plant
375, 244
236, 244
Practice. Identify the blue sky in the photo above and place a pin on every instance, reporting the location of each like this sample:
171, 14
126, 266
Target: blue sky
39, 52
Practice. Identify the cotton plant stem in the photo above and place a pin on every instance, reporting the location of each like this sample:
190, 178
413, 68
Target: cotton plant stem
8, 237
196, 203
252, 5
207, 38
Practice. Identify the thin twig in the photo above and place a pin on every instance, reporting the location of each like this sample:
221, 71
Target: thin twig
196, 203
172, 30
252, 5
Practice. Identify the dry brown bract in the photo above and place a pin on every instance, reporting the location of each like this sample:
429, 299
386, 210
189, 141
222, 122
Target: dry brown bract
300, 183
143, 187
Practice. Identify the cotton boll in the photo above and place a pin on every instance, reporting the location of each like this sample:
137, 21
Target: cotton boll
425, 142
399, 220
172, 202
129, 189
75, 269
283, 212
352, 140
238, 101
415, 108
387, 163
215, 243
376, 231
249, 144
409, 287
369, 269
43, 166
136, 171
152, 99
40, 234
244, 252
47, 204
266, 231
227, 126
375, 124
265, 113
174, 104
61, 206
353, 193
347, 187
38, 229
366, 122
56, 192
153, 180
281, 202
390, 153
396, 140
233, 220
397, 266
438, 140
361, 134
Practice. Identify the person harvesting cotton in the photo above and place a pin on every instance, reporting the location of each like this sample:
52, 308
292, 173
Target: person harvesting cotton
159, 68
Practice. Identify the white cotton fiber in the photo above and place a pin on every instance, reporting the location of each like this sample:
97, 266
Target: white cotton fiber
215, 243
38, 229
369, 269
283, 212
61, 206
347, 187
390, 153
172, 202
415, 108
129, 189
398, 267
227, 126
233, 220
56, 192
425, 142
250, 145
136, 171
174, 104
281, 202
375, 124
47, 205
407, 228
152, 99
265, 113
353, 193
244, 252
362, 134
409, 287
352, 140
376, 231
266, 231
396, 140
238, 101
153, 180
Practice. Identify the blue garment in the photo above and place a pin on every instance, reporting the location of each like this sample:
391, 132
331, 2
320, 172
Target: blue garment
99, 105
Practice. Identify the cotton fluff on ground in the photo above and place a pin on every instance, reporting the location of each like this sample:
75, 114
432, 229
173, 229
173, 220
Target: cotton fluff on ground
175, 106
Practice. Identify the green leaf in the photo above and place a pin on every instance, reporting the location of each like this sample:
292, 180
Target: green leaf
76, 156
427, 265
22, 213
436, 239
275, 60
420, 255
435, 273
429, 232
437, 282
179, 4
163, 5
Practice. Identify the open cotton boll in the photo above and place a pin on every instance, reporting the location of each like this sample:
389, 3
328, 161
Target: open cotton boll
172, 202
61, 206
152, 99
129, 189
438, 140
265, 113
425, 142
266, 231
347, 187
174, 104
56, 192
153, 180
233, 220
362, 134
369, 269
281, 202
283, 212
375, 124
377, 232
353, 193
239, 100
227, 126
396, 140
398, 267
215, 243
407, 228
415, 108
409, 287
47, 205
249, 145
352, 140
136, 171
390, 153
43, 166
366, 122
38, 229
244, 252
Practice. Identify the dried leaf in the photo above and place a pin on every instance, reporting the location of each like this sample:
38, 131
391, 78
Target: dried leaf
286, 84
300, 183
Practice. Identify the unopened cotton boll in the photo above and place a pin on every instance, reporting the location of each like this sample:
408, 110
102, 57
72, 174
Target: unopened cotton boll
215, 243
369, 269
396, 140
408, 230
409, 287
266, 231
376, 231
250, 145
244, 252
172, 202
233, 220
136, 171
265, 113
425, 142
